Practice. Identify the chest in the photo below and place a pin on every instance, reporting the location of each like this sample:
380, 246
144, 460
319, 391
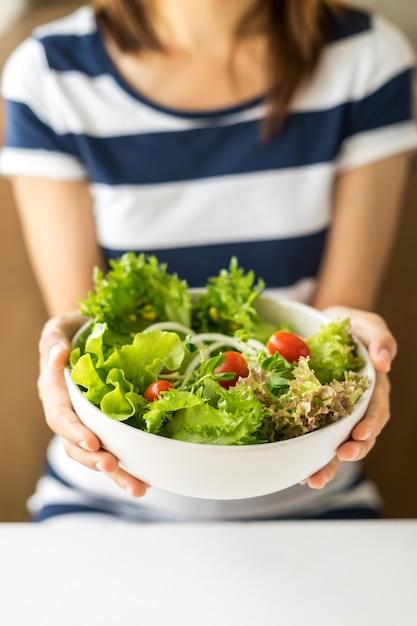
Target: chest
196, 82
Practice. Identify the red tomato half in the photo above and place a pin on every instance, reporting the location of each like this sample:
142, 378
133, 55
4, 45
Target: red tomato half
289, 345
155, 389
235, 362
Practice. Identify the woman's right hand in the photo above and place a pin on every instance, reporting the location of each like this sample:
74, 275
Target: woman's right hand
79, 442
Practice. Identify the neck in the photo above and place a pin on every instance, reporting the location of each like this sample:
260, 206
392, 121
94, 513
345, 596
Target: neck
199, 24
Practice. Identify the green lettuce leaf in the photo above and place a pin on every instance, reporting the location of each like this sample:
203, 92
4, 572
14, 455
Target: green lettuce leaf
122, 401
115, 384
228, 304
136, 291
164, 407
234, 420
85, 374
333, 351
142, 360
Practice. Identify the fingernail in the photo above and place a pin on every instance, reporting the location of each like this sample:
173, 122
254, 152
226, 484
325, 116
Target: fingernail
385, 356
127, 488
84, 445
131, 490
54, 353
100, 467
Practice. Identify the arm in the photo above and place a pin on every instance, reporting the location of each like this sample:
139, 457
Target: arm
58, 227
367, 203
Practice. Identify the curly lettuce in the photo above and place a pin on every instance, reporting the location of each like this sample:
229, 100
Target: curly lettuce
136, 291
305, 404
235, 419
333, 351
228, 304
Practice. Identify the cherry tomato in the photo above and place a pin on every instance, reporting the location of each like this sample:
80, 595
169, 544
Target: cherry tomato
155, 389
289, 345
235, 362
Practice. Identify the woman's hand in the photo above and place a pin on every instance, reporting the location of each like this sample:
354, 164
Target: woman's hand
79, 442
372, 330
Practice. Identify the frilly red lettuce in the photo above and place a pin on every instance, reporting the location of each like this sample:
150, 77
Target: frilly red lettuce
305, 404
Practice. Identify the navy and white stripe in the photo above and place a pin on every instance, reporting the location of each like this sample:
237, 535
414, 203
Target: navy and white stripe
196, 187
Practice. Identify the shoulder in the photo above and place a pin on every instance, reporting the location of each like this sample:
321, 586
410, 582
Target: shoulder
78, 23
341, 23
73, 43
64, 44
368, 32
388, 41
364, 52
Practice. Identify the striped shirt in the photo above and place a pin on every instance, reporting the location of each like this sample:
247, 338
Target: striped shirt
197, 188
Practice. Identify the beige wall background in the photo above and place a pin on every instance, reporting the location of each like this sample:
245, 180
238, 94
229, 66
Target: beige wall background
403, 12
23, 433
10, 11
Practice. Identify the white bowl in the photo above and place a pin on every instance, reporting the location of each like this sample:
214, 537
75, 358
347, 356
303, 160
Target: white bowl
226, 472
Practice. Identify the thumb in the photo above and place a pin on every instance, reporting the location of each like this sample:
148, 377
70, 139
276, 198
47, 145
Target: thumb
55, 340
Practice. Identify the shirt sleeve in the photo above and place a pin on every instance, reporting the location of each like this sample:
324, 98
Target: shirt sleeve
35, 143
382, 122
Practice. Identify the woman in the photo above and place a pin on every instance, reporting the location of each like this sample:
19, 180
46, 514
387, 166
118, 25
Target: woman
275, 131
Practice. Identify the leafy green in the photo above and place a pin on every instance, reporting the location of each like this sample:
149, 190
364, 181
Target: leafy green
228, 304
333, 351
122, 401
234, 420
305, 404
116, 383
136, 291
120, 355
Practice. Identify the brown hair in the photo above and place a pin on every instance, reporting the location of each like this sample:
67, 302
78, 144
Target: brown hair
296, 31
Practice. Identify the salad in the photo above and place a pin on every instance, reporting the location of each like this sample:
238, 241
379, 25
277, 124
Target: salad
205, 367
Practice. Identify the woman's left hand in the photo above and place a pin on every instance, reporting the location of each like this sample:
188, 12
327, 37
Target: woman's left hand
374, 333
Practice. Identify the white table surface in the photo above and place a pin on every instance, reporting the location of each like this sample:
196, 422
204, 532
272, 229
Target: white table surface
257, 574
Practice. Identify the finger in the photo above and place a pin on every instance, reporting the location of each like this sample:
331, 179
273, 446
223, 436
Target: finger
64, 422
324, 475
137, 488
354, 450
100, 459
363, 436
108, 464
59, 414
378, 412
55, 348
54, 343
